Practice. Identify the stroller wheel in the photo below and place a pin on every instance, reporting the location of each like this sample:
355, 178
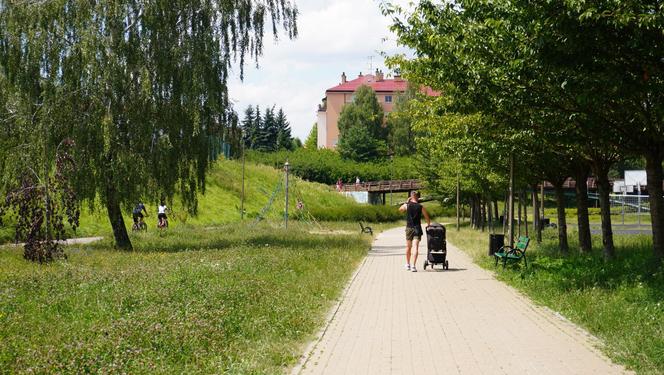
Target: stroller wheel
426, 264
447, 265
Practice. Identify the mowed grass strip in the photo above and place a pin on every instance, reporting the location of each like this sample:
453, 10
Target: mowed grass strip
230, 299
621, 302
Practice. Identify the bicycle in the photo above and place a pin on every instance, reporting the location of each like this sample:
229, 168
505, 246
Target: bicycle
162, 223
139, 226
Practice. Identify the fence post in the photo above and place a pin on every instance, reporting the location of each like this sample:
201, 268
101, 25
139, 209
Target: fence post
623, 208
638, 214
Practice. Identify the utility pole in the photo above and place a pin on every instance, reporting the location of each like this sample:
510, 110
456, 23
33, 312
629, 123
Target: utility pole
286, 210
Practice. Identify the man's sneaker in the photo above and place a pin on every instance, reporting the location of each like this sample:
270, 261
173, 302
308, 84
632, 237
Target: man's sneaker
413, 268
407, 267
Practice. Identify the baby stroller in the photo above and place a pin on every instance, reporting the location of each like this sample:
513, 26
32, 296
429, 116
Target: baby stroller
436, 246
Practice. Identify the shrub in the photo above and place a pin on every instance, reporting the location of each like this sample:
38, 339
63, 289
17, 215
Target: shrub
373, 214
326, 166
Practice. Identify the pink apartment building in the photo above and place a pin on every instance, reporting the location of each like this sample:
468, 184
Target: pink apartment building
336, 97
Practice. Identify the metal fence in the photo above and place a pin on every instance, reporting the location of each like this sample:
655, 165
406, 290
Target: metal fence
630, 208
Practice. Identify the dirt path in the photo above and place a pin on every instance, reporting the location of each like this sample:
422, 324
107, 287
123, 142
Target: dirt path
71, 241
391, 321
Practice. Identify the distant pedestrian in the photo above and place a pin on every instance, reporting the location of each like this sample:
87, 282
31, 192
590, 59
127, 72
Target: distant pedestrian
414, 211
357, 180
340, 184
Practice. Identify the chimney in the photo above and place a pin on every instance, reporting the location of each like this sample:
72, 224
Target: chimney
360, 75
343, 77
379, 75
397, 75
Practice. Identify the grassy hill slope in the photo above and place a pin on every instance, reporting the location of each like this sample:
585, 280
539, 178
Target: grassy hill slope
221, 202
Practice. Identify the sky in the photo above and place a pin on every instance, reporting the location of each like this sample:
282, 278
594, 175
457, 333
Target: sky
334, 37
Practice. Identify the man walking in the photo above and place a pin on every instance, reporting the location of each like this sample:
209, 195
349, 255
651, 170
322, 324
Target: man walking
414, 211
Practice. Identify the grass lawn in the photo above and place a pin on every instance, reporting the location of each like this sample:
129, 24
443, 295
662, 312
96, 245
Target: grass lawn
621, 302
218, 299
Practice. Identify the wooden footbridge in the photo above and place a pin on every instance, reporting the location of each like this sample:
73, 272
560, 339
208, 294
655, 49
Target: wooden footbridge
377, 190
394, 186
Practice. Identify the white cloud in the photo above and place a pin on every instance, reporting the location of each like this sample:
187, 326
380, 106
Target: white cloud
334, 37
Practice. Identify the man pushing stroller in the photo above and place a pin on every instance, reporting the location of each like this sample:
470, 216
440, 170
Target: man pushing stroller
414, 211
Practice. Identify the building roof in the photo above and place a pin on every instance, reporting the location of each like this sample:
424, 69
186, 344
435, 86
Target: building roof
384, 85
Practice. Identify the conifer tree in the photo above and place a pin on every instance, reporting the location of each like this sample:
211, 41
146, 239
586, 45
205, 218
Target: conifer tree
269, 131
249, 128
284, 138
311, 142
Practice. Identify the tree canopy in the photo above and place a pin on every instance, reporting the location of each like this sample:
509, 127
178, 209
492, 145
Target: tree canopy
139, 86
558, 85
362, 136
271, 132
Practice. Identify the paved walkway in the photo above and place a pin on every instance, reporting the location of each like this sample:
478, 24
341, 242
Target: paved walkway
460, 321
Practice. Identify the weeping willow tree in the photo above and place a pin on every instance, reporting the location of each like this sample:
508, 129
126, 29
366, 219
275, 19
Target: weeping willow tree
139, 85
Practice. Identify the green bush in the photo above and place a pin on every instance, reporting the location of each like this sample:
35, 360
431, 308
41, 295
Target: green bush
326, 166
368, 213
372, 214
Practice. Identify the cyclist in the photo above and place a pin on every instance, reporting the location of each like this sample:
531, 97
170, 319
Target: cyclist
161, 215
137, 213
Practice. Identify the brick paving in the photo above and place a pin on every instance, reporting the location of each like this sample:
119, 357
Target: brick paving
461, 321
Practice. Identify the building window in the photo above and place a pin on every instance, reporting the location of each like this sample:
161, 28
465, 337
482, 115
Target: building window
388, 98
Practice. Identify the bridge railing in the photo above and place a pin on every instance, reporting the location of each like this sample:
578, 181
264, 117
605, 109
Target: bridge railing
383, 186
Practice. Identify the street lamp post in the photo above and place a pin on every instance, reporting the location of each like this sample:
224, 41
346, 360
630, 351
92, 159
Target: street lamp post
242, 196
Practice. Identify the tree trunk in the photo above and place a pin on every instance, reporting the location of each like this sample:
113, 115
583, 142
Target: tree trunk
581, 177
519, 221
562, 222
471, 205
458, 203
605, 206
511, 213
525, 210
656, 199
495, 209
505, 216
117, 221
536, 215
490, 215
483, 214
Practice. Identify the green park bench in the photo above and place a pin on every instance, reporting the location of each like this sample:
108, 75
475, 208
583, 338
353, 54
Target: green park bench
515, 254
365, 229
